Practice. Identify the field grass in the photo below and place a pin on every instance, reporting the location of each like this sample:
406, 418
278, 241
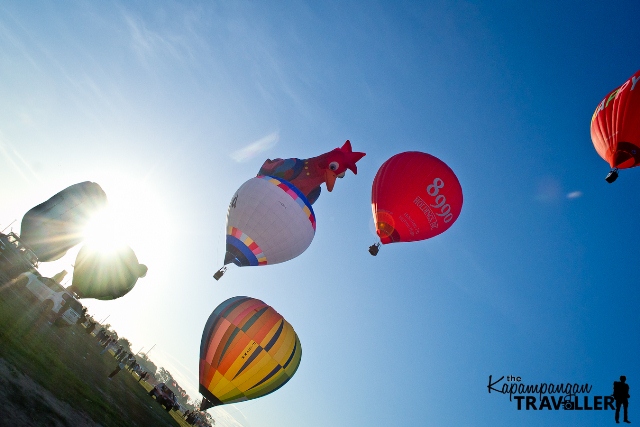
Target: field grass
67, 362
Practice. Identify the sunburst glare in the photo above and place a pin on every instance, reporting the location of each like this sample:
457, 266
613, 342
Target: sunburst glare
102, 232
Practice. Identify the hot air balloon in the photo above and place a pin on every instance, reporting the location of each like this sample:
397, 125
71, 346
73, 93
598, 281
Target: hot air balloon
53, 227
615, 127
415, 196
248, 350
105, 274
270, 218
269, 221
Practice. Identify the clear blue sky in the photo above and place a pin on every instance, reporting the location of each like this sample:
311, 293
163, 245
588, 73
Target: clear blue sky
538, 277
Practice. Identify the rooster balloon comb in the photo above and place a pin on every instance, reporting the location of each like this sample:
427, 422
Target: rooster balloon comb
307, 174
270, 218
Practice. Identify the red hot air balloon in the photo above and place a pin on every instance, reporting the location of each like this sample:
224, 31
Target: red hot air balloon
415, 196
615, 127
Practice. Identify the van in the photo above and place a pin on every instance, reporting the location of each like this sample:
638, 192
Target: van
165, 396
56, 302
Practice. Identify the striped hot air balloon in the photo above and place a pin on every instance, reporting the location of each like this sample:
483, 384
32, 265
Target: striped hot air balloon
248, 350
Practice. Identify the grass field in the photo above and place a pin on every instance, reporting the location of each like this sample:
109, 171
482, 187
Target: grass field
66, 362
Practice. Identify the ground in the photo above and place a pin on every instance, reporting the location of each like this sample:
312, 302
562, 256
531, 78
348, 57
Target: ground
26, 403
56, 376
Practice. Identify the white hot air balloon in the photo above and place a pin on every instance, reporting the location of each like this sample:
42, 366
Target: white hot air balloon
269, 221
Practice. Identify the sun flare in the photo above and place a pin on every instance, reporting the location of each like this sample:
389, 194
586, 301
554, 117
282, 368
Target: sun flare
102, 231
135, 216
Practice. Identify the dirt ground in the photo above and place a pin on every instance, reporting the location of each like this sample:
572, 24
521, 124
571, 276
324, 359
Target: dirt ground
58, 376
26, 403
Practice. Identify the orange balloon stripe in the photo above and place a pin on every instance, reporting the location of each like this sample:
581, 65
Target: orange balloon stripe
237, 314
209, 373
262, 325
251, 320
213, 344
243, 313
225, 342
236, 349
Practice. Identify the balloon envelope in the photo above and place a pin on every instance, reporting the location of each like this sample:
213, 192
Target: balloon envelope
615, 125
53, 227
248, 350
269, 221
106, 274
415, 196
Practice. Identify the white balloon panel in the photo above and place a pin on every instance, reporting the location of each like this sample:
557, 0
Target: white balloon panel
269, 221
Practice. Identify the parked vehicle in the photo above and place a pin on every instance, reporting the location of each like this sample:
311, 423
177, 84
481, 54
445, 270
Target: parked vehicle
165, 396
197, 419
15, 257
56, 302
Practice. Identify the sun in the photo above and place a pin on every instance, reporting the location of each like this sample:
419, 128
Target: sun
102, 231
136, 215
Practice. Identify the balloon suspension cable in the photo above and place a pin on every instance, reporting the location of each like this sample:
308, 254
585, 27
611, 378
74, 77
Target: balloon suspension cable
374, 249
220, 273
612, 175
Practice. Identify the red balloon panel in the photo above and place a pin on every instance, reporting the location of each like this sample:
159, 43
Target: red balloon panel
415, 196
615, 125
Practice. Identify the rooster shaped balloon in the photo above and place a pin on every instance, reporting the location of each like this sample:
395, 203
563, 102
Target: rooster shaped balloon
270, 218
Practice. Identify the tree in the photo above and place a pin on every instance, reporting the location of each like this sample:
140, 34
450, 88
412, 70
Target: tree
193, 405
183, 400
110, 331
164, 376
125, 343
146, 363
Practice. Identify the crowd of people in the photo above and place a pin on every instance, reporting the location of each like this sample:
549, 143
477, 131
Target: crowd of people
126, 359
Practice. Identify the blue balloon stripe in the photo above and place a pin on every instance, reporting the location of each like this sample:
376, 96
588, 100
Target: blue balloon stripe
295, 347
248, 362
244, 249
272, 373
253, 318
293, 188
275, 337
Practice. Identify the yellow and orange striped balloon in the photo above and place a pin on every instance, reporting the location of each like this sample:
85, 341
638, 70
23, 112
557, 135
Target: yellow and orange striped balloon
248, 350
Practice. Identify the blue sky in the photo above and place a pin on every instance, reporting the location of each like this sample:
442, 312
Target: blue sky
538, 278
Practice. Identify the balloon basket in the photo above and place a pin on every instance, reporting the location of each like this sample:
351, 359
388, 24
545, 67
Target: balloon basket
220, 273
374, 249
612, 176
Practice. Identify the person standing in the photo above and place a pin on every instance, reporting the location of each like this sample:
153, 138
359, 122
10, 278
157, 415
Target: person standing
115, 371
107, 345
621, 396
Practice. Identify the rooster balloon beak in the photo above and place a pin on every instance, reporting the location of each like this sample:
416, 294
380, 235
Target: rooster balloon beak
330, 178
